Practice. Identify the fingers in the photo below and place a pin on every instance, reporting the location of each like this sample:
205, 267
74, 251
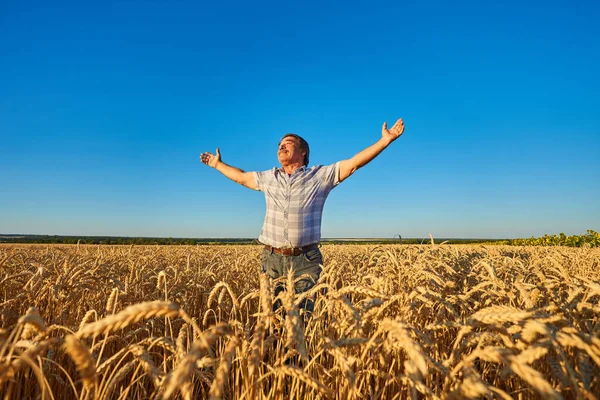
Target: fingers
398, 127
206, 157
394, 132
210, 159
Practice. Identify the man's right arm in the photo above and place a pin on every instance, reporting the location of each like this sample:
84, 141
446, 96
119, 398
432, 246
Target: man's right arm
235, 174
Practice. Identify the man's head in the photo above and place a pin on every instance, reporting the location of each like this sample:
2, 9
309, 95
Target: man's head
293, 148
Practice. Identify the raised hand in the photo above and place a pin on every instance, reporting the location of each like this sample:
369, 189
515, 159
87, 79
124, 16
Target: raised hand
394, 132
210, 159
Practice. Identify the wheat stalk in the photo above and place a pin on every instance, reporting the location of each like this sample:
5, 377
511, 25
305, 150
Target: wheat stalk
184, 369
302, 376
218, 384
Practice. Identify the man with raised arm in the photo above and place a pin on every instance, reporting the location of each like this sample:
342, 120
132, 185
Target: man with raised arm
295, 196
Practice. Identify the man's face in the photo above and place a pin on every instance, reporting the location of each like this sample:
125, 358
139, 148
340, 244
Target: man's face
289, 151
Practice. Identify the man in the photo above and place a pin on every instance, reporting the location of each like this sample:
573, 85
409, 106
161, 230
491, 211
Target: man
295, 196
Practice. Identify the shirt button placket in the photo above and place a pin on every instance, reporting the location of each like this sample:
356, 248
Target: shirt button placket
286, 215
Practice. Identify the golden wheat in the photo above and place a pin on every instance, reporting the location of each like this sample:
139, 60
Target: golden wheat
393, 321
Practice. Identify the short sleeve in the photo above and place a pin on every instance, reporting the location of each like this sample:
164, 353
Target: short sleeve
331, 175
258, 180
262, 178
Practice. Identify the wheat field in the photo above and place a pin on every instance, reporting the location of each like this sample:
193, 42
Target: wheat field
390, 322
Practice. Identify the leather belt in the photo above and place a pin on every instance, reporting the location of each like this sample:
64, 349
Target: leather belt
291, 251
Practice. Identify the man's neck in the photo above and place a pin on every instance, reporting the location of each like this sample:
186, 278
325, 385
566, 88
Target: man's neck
289, 169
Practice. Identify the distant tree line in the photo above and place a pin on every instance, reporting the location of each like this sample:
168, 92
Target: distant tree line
590, 239
118, 240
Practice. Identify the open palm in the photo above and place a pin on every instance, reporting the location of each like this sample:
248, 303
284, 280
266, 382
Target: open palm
211, 159
394, 132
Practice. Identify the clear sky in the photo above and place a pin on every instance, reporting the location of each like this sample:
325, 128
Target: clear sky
106, 106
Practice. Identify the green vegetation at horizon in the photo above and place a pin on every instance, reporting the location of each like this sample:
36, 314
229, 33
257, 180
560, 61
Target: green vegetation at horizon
590, 239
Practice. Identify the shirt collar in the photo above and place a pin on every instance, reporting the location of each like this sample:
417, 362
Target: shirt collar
297, 170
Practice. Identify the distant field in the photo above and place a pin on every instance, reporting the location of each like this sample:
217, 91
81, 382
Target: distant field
390, 321
120, 240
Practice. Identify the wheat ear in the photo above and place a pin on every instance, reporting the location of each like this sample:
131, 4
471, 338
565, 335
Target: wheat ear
128, 316
84, 362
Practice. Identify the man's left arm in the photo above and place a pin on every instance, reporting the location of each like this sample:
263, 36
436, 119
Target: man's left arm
349, 166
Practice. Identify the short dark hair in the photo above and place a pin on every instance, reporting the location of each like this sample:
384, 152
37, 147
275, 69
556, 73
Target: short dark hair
303, 145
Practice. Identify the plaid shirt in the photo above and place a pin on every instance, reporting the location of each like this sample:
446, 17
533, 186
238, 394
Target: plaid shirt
295, 204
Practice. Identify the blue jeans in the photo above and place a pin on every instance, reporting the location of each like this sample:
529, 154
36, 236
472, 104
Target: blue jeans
276, 266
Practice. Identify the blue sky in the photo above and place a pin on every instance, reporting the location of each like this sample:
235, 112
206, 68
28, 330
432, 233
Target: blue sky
106, 106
